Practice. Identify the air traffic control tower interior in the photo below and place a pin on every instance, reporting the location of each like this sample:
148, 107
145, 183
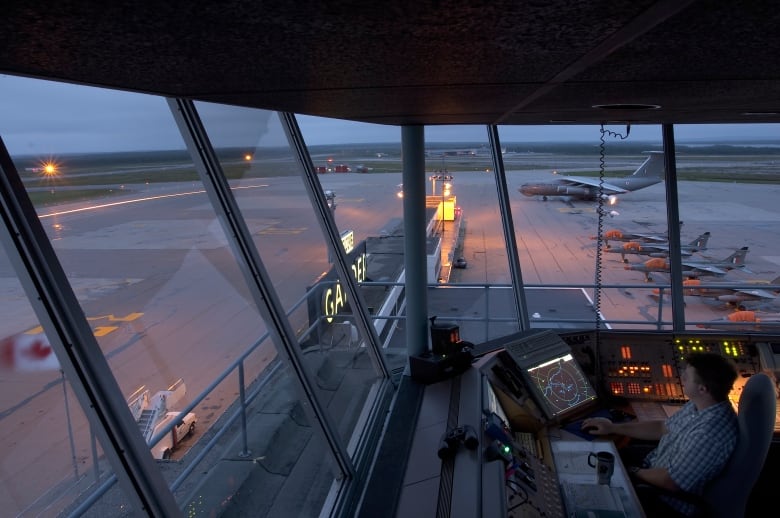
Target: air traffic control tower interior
330, 259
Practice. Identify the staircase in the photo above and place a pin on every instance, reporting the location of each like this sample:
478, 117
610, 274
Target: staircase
146, 423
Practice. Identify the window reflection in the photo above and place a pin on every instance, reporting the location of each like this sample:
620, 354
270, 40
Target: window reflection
156, 277
152, 269
49, 451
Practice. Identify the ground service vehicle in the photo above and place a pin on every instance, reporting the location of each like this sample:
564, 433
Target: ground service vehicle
183, 428
153, 414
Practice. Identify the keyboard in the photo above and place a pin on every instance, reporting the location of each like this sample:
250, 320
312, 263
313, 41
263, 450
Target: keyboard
527, 441
650, 410
534, 341
581, 498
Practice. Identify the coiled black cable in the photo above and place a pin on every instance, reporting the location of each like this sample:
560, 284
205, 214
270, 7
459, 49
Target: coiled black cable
600, 211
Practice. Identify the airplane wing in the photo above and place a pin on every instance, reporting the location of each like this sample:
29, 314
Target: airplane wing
590, 182
759, 294
705, 268
660, 251
657, 239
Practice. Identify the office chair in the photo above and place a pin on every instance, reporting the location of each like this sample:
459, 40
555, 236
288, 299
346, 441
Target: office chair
726, 496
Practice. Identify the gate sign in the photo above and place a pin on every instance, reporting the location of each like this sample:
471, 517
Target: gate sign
28, 353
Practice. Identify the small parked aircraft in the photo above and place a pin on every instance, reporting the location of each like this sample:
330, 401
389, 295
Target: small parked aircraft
731, 293
745, 321
615, 234
693, 269
658, 249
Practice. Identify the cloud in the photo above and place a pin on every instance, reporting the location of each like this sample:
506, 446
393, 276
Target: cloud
48, 118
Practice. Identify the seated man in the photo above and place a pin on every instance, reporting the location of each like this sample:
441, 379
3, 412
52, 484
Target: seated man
694, 444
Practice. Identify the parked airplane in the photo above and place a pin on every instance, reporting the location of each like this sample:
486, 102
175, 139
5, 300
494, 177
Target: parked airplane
649, 173
659, 249
694, 269
615, 234
724, 292
745, 321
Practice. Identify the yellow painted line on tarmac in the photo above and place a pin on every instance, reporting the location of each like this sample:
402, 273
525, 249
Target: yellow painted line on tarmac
111, 318
104, 330
99, 330
129, 318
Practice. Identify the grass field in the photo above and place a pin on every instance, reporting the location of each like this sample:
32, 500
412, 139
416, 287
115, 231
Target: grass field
110, 174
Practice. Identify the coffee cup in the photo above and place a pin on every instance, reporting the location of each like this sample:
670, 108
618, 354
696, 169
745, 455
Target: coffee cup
604, 462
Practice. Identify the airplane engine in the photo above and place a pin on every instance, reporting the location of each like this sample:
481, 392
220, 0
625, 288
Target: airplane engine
657, 263
573, 191
743, 316
692, 287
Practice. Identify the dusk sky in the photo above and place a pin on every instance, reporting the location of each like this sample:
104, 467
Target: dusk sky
43, 117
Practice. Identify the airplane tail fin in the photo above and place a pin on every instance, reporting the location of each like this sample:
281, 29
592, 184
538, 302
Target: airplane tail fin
653, 167
700, 243
737, 259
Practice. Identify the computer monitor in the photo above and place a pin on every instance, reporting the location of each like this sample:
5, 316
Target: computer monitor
554, 378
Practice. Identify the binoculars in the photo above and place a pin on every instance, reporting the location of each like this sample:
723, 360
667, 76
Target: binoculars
452, 439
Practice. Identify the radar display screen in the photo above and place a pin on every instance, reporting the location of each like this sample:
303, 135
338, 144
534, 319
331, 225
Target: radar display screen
560, 385
555, 380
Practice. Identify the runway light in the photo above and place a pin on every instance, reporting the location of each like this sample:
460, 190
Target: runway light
49, 168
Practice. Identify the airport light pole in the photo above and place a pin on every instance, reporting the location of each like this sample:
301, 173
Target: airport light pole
433, 179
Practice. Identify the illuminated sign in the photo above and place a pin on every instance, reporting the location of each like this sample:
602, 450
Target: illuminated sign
334, 298
348, 241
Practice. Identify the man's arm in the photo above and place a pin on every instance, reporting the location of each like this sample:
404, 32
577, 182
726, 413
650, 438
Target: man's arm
650, 430
658, 477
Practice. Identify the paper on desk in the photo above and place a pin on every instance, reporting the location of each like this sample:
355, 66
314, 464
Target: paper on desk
573, 463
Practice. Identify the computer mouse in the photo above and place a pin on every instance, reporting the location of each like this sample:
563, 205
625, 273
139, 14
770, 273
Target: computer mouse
618, 415
588, 429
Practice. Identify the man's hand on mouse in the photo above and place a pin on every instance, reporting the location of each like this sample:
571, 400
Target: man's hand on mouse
597, 425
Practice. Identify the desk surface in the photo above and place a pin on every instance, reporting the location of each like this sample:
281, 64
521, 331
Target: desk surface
571, 464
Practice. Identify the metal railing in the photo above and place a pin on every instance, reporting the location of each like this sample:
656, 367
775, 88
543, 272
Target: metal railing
485, 316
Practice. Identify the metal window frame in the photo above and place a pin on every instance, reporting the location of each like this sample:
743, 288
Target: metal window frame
70, 335
255, 274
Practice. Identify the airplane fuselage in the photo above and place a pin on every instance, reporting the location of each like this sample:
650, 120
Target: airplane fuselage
548, 189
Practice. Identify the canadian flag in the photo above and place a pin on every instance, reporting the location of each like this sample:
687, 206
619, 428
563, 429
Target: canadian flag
28, 353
